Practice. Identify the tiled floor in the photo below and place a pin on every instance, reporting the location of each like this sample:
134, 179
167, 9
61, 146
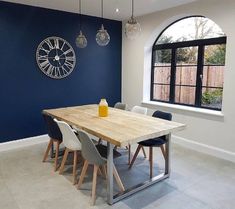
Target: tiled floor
198, 181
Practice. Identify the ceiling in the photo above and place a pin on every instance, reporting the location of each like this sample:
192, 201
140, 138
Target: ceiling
92, 7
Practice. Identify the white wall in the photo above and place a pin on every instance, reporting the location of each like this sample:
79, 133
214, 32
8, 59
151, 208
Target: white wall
212, 131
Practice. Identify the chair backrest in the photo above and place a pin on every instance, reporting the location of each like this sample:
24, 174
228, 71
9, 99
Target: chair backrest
89, 151
121, 106
162, 115
52, 127
70, 140
141, 110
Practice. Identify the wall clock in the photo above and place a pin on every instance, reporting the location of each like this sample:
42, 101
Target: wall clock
55, 57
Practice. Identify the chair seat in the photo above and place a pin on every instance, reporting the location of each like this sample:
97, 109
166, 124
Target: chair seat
103, 151
156, 142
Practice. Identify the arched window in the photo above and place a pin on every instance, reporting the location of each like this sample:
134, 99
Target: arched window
188, 62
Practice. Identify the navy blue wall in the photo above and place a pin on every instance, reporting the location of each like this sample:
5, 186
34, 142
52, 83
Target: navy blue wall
25, 91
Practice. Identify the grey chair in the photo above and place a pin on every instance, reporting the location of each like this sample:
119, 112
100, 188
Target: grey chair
92, 156
121, 106
72, 144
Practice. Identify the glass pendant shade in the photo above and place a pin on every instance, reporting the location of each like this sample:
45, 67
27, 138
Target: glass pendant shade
81, 41
132, 28
102, 37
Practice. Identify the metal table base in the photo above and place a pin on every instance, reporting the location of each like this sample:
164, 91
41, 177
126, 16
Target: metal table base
130, 191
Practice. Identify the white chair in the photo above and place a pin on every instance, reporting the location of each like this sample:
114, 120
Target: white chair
140, 110
71, 143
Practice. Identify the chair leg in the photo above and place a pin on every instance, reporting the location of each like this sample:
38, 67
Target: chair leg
84, 169
163, 151
151, 161
100, 141
56, 155
145, 156
75, 160
105, 171
129, 154
135, 155
118, 180
64, 160
47, 150
93, 192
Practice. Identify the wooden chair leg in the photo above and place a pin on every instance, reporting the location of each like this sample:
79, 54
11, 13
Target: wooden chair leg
118, 180
151, 161
135, 155
105, 171
64, 160
163, 151
145, 156
99, 141
93, 192
75, 160
129, 154
47, 150
84, 169
56, 155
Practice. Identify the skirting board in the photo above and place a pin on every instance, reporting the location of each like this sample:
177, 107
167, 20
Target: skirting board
6, 146
207, 149
210, 150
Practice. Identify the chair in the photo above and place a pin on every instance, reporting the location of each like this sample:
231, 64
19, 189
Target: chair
55, 137
121, 106
71, 143
140, 110
155, 142
92, 156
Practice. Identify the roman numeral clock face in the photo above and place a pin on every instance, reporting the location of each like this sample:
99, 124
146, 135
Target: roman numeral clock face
55, 57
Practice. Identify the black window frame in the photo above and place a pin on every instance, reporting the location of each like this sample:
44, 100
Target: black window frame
201, 44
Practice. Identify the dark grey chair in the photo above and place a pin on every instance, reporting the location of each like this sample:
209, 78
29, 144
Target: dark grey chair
92, 156
155, 142
55, 137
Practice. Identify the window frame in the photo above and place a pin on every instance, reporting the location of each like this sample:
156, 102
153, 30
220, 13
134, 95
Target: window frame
201, 44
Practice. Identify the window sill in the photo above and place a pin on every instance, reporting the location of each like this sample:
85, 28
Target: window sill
184, 108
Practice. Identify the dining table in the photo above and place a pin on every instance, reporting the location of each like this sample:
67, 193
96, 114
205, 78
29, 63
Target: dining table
120, 129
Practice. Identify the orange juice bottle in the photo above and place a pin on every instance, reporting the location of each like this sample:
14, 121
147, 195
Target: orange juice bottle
103, 108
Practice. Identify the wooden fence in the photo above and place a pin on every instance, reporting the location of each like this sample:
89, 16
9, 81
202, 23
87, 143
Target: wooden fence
213, 76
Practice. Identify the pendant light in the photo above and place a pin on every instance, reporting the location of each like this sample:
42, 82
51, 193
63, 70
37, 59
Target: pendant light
102, 36
81, 41
132, 27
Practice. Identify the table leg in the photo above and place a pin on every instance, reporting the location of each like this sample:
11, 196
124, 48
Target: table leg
168, 153
147, 183
110, 173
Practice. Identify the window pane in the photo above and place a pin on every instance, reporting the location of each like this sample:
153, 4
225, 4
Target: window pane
161, 92
186, 75
187, 55
213, 76
191, 28
215, 54
212, 97
185, 95
162, 75
162, 57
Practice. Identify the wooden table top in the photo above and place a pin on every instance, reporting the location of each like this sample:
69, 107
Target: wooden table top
119, 128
